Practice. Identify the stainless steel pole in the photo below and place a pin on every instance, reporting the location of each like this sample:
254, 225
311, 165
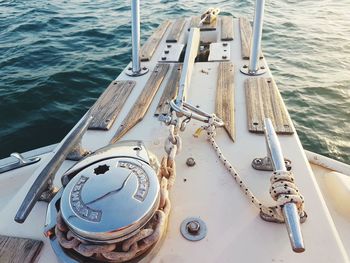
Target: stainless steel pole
290, 211
255, 44
135, 69
135, 32
187, 68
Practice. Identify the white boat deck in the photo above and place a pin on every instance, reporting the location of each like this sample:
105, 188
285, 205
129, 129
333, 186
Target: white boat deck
236, 233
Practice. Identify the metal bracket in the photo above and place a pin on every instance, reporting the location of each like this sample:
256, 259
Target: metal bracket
77, 153
265, 164
132, 73
219, 52
21, 161
246, 71
172, 53
47, 195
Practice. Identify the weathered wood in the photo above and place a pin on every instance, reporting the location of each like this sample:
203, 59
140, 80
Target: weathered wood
225, 97
169, 92
227, 28
110, 103
176, 30
264, 101
19, 250
246, 36
204, 27
153, 41
282, 119
143, 102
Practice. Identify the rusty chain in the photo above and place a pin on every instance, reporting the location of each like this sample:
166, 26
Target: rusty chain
136, 245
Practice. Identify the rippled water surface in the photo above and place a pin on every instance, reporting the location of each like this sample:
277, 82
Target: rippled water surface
56, 57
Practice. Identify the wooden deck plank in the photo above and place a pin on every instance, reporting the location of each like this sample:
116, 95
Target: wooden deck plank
204, 27
108, 106
153, 41
264, 101
19, 250
139, 109
246, 35
253, 99
225, 97
227, 33
176, 30
284, 122
169, 92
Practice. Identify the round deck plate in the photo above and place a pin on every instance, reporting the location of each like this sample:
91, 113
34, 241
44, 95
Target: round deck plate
193, 236
111, 199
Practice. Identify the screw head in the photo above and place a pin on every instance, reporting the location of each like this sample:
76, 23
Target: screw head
166, 51
258, 161
224, 44
163, 58
193, 227
190, 162
224, 57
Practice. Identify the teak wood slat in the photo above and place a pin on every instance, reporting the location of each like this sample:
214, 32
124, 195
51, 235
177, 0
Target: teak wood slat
225, 97
19, 250
264, 101
139, 109
153, 41
110, 103
176, 30
169, 92
246, 36
227, 28
204, 27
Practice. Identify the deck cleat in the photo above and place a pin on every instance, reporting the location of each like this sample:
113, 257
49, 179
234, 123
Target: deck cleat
107, 198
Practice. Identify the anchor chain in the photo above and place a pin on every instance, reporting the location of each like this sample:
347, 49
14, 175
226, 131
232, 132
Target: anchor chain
138, 244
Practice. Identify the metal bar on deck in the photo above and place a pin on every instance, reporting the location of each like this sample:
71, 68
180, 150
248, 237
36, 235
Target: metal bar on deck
191, 54
135, 32
45, 174
135, 69
255, 43
290, 211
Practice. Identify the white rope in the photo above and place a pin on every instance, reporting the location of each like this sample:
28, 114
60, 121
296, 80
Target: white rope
283, 189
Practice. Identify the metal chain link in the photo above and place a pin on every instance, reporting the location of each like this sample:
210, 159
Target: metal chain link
136, 245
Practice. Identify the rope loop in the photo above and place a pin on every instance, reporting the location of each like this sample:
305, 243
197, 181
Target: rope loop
283, 189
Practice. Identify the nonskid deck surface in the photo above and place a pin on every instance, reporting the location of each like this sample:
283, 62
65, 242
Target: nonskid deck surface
206, 190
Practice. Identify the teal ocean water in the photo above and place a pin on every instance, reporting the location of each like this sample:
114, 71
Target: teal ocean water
56, 57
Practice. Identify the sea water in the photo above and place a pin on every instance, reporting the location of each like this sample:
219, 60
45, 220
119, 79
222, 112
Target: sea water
56, 58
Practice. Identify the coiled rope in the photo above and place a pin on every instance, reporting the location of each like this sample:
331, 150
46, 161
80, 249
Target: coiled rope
283, 189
